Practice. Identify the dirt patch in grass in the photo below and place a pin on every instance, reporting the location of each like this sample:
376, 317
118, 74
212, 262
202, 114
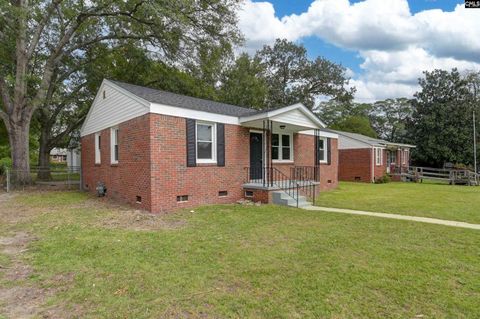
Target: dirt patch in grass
122, 216
19, 299
14, 247
139, 221
19, 296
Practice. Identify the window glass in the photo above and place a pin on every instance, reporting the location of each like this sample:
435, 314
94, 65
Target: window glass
285, 140
321, 150
281, 147
116, 145
275, 139
204, 150
97, 148
275, 153
378, 156
204, 132
205, 142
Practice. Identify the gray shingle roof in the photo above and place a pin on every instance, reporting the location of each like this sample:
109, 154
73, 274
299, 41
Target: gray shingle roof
363, 138
188, 102
369, 140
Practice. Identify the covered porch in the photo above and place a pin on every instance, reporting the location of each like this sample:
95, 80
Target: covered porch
398, 158
280, 157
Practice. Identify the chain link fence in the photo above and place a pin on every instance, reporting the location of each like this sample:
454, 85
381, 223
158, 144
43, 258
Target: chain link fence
41, 178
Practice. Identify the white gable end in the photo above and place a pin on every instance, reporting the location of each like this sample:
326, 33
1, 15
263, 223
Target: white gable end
295, 117
113, 108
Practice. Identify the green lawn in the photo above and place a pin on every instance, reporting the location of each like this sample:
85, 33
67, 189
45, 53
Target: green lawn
460, 203
245, 262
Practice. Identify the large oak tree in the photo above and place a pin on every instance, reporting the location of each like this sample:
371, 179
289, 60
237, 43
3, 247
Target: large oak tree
291, 77
37, 37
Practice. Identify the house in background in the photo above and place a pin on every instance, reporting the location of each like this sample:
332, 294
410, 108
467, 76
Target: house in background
366, 159
58, 155
162, 151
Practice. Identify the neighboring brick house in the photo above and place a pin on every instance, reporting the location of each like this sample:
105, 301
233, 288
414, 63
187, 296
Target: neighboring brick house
162, 151
366, 159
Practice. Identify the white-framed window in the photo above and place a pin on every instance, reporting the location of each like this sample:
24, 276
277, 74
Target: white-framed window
322, 149
114, 145
206, 135
378, 156
405, 156
98, 148
282, 147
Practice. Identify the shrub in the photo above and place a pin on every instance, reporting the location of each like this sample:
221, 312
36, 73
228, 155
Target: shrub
4, 164
384, 179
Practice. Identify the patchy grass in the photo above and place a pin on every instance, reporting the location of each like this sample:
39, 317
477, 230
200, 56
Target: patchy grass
460, 203
246, 262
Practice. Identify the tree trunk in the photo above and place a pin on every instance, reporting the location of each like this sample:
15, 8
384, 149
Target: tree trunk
44, 158
19, 138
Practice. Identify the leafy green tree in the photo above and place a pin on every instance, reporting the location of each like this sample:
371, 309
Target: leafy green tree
334, 111
243, 83
355, 124
4, 147
441, 125
291, 77
136, 65
389, 118
473, 80
37, 37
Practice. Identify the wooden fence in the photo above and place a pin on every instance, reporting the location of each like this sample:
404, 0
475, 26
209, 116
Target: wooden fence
452, 176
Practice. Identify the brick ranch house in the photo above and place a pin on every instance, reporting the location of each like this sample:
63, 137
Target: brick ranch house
162, 151
366, 159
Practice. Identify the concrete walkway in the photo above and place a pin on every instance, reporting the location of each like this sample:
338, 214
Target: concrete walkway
394, 216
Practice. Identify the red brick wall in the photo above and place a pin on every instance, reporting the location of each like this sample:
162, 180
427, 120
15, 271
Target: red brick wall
305, 156
131, 176
171, 177
259, 195
355, 163
303, 149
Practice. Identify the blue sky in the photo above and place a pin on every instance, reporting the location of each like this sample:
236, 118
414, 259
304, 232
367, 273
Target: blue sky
287, 7
385, 44
349, 58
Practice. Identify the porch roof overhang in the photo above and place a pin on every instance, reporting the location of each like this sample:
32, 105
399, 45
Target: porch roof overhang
396, 146
293, 118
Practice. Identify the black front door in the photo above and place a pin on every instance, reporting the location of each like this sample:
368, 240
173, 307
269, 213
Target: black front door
255, 155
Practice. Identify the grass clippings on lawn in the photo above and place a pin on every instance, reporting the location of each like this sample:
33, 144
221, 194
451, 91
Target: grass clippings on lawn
243, 262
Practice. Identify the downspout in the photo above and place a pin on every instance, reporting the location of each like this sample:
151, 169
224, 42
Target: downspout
372, 159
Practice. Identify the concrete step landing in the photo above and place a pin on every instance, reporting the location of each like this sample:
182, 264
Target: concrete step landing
282, 198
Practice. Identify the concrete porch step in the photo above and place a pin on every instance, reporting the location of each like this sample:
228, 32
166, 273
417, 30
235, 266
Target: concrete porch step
282, 198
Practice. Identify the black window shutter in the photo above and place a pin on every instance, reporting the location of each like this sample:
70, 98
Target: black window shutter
220, 144
317, 151
191, 144
329, 151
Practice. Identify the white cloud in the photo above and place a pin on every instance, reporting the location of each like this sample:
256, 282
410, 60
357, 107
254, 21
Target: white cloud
259, 24
395, 44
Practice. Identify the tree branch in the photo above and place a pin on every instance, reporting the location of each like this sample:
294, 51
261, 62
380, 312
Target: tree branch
41, 25
70, 128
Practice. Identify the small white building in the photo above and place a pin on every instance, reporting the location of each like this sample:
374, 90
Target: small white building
73, 158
